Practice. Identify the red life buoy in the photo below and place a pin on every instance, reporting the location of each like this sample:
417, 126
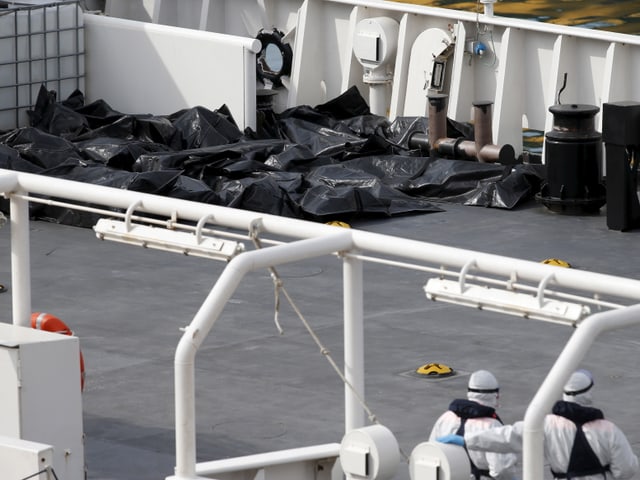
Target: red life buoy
51, 323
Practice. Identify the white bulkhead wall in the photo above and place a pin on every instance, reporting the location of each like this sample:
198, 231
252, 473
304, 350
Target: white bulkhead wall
522, 69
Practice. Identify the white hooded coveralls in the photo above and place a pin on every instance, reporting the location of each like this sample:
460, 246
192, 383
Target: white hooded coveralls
501, 466
607, 441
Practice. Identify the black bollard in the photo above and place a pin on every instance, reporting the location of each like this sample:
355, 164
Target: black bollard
573, 157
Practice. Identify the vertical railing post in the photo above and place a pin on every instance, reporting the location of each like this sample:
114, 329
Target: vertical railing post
20, 262
353, 342
569, 359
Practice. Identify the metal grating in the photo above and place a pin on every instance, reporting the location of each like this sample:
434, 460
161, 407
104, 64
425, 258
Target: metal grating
41, 43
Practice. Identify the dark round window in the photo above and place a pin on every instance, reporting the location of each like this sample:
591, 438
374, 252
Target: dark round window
275, 56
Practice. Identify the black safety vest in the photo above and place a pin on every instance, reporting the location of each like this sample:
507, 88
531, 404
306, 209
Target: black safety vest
583, 461
466, 409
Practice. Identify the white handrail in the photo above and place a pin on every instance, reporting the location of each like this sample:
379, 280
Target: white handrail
260, 461
363, 241
551, 388
204, 320
315, 239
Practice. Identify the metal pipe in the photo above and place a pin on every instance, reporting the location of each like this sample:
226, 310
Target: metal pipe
195, 333
449, 147
8, 180
20, 262
322, 239
568, 361
483, 134
437, 120
504, 154
353, 343
364, 241
420, 141
379, 97
166, 206
499, 265
467, 149
481, 148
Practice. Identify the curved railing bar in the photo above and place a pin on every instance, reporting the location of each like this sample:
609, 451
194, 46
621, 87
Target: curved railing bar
195, 333
551, 388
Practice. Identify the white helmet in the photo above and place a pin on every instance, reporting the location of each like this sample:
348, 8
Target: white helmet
578, 388
483, 388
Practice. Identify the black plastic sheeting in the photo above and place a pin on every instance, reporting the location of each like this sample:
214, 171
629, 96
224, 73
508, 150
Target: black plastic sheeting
335, 161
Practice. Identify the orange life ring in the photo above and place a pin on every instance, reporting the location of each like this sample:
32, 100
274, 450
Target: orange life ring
51, 323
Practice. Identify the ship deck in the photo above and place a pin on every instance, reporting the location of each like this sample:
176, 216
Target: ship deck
258, 390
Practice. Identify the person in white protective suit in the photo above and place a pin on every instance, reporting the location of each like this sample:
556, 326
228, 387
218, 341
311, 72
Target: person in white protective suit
579, 443
477, 413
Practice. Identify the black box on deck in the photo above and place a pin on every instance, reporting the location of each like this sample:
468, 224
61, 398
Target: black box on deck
621, 137
621, 123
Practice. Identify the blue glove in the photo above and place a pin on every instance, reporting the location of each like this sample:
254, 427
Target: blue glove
451, 439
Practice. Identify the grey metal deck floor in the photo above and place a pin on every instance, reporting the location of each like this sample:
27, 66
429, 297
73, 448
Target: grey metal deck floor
260, 391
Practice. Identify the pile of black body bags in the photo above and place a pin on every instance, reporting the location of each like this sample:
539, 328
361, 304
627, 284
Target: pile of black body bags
334, 161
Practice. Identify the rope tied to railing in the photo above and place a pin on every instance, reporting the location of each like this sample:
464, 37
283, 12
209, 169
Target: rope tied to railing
326, 352
277, 286
254, 236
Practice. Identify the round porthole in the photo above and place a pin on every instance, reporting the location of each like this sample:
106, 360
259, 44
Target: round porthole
274, 59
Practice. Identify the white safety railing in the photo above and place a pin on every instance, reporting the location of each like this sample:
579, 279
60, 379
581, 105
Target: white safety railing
568, 361
317, 462
306, 240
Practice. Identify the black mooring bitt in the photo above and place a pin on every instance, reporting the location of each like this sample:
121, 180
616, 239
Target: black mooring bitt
573, 156
621, 137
